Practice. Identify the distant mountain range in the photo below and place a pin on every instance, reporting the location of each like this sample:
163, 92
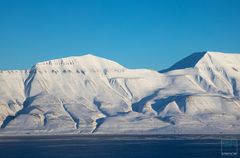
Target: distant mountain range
87, 94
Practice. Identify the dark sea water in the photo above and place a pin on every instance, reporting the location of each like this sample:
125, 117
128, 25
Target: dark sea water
188, 146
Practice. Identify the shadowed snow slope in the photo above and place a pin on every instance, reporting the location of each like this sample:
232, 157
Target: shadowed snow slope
89, 94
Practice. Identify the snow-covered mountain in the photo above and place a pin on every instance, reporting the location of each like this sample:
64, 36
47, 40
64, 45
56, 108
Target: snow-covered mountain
89, 94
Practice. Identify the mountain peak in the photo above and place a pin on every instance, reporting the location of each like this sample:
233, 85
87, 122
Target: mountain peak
89, 55
87, 61
189, 61
192, 60
206, 58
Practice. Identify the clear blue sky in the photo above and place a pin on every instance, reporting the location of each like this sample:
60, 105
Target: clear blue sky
136, 33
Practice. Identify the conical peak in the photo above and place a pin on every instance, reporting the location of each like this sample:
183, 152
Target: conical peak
188, 62
205, 59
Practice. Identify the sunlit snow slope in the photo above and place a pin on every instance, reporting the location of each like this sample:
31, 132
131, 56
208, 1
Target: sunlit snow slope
89, 94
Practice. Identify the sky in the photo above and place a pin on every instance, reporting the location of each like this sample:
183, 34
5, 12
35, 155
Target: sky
150, 34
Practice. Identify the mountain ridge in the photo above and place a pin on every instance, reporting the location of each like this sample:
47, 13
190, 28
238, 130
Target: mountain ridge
89, 94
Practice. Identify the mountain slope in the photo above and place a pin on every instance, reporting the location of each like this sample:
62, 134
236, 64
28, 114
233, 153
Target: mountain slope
89, 94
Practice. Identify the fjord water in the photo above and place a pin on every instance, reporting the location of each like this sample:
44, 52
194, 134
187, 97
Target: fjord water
111, 147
